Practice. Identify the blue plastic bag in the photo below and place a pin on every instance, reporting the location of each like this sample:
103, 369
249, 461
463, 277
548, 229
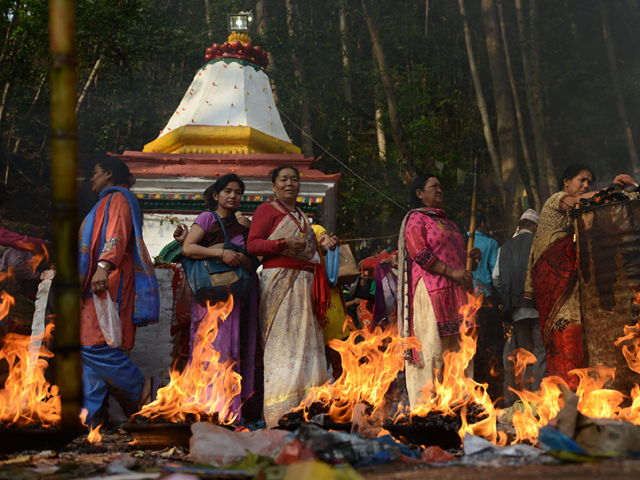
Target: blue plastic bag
332, 262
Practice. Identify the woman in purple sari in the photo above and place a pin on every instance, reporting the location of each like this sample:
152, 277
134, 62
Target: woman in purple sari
236, 339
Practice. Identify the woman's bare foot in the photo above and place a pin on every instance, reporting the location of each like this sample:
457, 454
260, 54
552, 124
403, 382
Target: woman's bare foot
145, 396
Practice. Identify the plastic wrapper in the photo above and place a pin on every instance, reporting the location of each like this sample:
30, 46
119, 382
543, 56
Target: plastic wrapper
332, 262
435, 454
340, 447
215, 445
293, 452
109, 320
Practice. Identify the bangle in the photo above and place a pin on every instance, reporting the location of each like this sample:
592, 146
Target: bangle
104, 267
221, 252
281, 243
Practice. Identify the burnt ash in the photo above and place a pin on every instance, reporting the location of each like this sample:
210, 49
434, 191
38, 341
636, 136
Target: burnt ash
188, 419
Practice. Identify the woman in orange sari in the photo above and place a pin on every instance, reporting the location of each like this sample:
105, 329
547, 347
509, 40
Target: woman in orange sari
293, 296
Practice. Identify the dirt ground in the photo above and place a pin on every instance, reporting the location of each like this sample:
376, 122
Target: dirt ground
618, 469
116, 458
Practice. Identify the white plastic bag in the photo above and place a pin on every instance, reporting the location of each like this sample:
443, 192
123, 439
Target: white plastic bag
109, 320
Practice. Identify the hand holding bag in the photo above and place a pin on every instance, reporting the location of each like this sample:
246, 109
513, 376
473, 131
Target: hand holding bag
108, 319
212, 279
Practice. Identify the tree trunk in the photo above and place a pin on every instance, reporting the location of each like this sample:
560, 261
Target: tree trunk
262, 16
8, 37
537, 127
426, 17
92, 75
16, 146
552, 181
504, 113
5, 99
298, 67
516, 102
382, 141
394, 115
207, 17
617, 90
482, 104
346, 85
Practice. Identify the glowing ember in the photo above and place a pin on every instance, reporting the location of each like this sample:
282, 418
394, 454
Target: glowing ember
27, 397
205, 389
452, 392
94, 435
368, 368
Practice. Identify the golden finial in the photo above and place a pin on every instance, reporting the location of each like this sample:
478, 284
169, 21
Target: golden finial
242, 37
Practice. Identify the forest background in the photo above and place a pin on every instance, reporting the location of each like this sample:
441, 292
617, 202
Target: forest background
386, 88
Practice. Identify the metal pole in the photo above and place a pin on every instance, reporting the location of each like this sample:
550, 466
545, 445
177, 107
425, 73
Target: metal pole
474, 208
64, 165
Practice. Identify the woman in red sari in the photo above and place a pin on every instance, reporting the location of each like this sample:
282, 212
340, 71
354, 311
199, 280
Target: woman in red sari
552, 277
293, 296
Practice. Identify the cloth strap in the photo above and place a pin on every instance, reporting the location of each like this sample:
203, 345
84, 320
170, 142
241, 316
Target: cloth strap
321, 295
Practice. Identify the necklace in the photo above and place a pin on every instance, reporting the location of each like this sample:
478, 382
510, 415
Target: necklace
303, 231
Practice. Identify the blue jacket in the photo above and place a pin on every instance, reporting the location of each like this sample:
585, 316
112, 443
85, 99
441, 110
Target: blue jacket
482, 276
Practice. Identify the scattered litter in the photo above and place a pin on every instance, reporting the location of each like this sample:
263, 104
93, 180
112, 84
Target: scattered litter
214, 445
580, 435
20, 459
435, 454
314, 470
294, 451
474, 444
340, 447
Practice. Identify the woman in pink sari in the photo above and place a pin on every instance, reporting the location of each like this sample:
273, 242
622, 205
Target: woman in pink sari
432, 282
293, 296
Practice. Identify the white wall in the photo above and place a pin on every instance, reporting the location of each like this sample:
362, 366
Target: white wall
158, 229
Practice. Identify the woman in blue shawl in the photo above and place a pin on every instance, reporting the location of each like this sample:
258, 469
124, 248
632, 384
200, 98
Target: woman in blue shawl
113, 258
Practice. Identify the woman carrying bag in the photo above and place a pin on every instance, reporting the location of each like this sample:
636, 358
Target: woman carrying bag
236, 339
114, 265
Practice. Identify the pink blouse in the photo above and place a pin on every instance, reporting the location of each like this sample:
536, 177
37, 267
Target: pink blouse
429, 238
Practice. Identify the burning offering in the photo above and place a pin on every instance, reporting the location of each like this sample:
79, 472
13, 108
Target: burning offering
453, 401
27, 397
205, 390
370, 362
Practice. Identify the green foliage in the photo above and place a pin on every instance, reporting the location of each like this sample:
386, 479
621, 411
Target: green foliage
149, 50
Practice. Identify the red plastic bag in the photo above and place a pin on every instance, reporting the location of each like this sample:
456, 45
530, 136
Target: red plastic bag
293, 452
435, 454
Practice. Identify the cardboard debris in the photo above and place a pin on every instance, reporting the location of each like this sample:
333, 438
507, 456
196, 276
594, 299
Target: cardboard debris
576, 433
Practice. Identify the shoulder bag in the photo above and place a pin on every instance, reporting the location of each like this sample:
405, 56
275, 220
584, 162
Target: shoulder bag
212, 279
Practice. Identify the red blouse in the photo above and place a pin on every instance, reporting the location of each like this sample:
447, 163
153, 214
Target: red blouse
265, 220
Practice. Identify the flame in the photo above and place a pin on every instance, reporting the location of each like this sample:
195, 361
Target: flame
206, 386
632, 413
370, 362
6, 301
631, 347
538, 408
27, 397
452, 392
94, 435
40, 253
